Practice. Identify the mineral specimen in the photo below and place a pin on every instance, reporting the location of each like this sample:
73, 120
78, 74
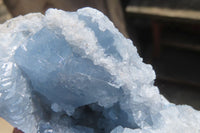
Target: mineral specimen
74, 72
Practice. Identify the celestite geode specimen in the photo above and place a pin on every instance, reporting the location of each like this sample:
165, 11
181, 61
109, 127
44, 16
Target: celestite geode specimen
74, 72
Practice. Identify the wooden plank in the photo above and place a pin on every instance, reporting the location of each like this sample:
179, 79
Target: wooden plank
178, 81
192, 47
164, 12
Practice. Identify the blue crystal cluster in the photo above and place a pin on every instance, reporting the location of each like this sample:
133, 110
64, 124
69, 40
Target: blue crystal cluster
74, 72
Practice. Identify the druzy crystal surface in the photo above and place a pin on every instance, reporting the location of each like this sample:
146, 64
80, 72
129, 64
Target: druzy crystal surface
74, 72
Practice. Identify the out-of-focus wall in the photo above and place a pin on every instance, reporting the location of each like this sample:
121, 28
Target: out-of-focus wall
4, 14
112, 8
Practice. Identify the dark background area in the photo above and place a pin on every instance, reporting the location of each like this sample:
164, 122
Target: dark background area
177, 63
171, 44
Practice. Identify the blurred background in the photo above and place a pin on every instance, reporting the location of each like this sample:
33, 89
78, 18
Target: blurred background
166, 33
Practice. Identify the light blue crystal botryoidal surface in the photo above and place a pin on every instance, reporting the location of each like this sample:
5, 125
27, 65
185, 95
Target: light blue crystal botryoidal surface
74, 72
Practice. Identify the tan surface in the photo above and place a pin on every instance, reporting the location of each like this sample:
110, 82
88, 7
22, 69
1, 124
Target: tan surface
165, 12
5, 127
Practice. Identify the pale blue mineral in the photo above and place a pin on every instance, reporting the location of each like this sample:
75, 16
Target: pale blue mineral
74, 72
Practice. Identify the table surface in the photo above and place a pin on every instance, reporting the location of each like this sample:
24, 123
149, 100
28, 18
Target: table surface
5, 127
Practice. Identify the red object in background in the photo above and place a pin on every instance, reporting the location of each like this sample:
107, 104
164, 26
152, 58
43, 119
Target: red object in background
17, 131
156, 27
